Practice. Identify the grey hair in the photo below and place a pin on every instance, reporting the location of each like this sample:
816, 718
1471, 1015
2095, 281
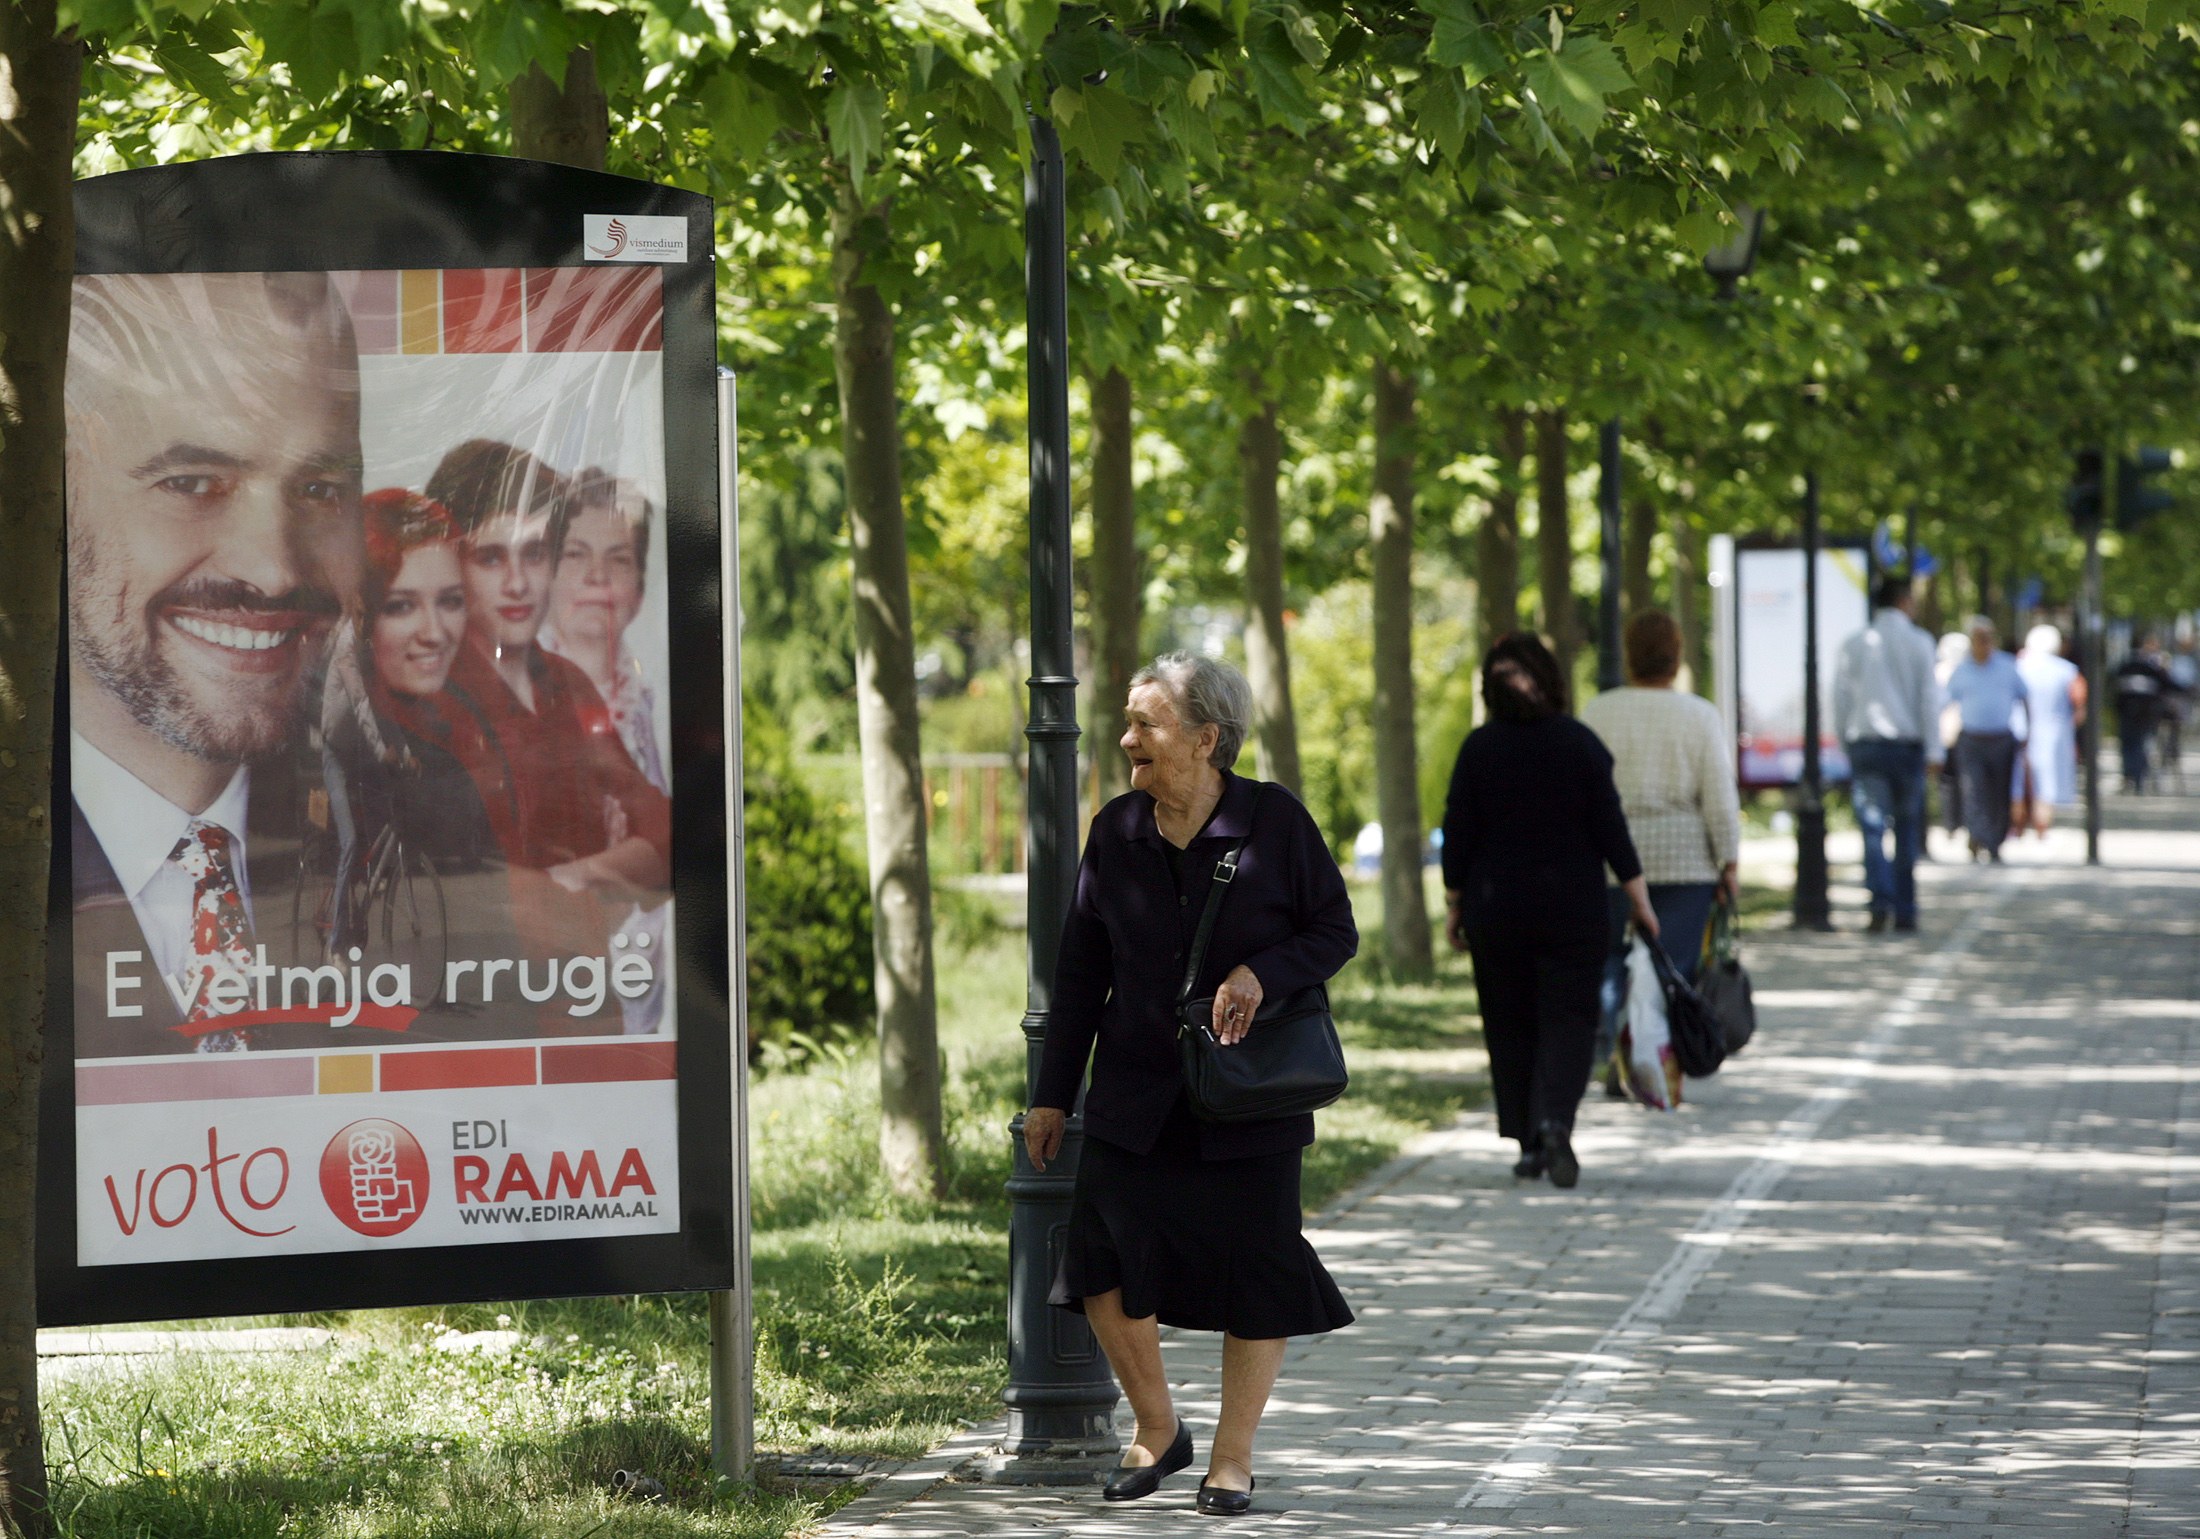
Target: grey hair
1977, 623
1207, 693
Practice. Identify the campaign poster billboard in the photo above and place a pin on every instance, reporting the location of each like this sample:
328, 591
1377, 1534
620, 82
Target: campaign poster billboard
389, 891
1768, 645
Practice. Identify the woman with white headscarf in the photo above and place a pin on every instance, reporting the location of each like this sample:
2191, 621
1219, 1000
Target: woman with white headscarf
2055, 702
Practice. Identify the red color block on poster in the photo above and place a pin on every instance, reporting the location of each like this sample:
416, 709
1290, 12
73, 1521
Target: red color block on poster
481, 309
599, 1062
231, 1076
595, 310
458, 1068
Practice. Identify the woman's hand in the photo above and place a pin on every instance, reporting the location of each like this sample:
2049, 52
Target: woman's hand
1235, 1004
1638, 903
1455, 921
1043, 1134
1730, 883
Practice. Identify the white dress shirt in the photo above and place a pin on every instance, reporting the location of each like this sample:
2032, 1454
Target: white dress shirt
1884, 688
138, 830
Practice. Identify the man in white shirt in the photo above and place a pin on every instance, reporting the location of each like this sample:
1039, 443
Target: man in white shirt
214, 535
1886, 706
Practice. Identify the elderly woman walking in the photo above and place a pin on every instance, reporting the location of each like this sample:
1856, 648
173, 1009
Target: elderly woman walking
1531, 822
1675, 770
1177, 1221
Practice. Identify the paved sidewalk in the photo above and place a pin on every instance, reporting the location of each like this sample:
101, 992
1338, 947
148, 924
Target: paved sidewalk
1923, 1261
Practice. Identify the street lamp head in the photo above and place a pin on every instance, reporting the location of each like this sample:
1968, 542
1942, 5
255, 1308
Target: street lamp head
1731, 260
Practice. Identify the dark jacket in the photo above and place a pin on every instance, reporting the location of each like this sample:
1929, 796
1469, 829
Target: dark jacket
102, 921
1531, 821
2144, 689
1287, 917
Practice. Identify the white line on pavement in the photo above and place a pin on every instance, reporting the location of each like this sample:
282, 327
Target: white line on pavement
1546, 1435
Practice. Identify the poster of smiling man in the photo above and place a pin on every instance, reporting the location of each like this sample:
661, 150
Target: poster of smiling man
373, 722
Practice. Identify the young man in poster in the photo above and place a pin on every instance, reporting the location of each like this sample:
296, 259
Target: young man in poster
213, 518
585, 834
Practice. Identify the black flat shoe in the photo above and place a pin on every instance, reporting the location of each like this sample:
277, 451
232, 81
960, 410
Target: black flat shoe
1217, 1502
1128, 1485
1558, 1157
1530, 1165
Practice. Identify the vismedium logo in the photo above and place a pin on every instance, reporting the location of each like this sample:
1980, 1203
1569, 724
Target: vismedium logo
634, 237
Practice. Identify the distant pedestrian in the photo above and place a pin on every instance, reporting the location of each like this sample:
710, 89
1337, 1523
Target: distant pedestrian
1954, 648
1886, 711
1176, 1221
1990, 696
2144, 689
1674, 765
1532, 821
2055, 707
2184, 667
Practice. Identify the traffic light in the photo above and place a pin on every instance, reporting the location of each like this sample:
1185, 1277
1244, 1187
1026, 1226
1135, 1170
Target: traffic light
2136, 502
2083, 496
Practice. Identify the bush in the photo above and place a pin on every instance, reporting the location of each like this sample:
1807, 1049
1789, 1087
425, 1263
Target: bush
809, 905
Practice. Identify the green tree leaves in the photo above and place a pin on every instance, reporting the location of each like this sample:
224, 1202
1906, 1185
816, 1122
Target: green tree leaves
1573, 82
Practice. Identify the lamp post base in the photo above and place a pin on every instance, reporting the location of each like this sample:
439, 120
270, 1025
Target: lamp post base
1061, 1398
1813, 900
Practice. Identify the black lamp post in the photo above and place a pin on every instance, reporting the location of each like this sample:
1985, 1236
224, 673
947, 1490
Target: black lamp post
1060, 1396
1728, 264
1813, 897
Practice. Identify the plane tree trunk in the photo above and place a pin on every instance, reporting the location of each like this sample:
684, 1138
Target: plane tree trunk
41, 70
1117, 599
1267, 654
1406, 946
912, 1141
1554, 541
569, 124
1497, 537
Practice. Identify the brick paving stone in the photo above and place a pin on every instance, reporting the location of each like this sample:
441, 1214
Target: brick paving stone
1965, 1299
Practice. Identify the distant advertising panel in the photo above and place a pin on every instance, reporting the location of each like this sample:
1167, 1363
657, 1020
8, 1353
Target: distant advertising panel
1769, 634
391, 826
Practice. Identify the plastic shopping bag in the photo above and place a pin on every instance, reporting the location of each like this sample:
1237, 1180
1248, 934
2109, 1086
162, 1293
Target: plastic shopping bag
1647, 1064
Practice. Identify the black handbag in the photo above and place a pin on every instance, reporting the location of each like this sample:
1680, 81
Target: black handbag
1724, 982
1697, 1045
1289, 1062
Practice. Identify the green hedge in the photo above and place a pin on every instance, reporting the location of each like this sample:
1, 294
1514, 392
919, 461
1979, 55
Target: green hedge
809, 905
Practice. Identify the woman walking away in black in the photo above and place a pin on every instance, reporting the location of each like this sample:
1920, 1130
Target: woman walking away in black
1176, 1221
1532, 820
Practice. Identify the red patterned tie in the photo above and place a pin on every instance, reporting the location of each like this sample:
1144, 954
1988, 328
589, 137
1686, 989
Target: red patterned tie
221, 932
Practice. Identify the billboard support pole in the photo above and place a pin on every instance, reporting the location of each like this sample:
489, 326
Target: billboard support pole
1610, 674
732, 1312
1060, 1396
1813, 903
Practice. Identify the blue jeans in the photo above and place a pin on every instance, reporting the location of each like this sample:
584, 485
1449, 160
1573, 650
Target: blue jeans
2135, 738
1888, 786
1683, 910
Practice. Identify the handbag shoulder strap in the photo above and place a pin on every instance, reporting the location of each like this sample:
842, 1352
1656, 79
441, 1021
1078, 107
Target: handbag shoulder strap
1225, 874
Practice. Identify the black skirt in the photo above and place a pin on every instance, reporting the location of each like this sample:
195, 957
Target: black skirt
1207, 1245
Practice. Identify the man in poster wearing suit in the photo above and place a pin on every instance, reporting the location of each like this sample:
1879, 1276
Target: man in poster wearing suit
213, 538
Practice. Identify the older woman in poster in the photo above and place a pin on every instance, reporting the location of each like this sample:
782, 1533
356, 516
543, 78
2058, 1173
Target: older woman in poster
596, 596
